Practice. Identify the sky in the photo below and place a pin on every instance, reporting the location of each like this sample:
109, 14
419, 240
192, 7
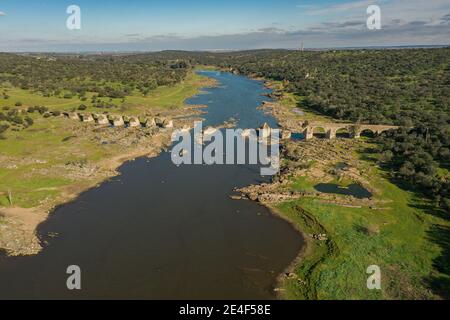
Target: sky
152, 25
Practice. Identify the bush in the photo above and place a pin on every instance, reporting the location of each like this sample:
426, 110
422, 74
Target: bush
3, 128
82, 107
29, 121
18, 104
16, 119
43, 110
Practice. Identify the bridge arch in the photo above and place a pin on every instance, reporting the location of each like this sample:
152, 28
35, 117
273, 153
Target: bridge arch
343, 132
368, 133
319, 132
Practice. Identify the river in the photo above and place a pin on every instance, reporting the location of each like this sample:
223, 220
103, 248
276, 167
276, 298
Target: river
158, 231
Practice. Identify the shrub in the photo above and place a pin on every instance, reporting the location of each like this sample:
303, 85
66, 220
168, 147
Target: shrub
29, 121
43, 110
3, 128
18, 104
16, 119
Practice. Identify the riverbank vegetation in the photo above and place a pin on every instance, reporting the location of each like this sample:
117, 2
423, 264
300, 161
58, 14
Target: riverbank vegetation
392, 230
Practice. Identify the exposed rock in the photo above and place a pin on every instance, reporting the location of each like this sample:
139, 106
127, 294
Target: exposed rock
286, 134
167, 124
320, 237
209, 131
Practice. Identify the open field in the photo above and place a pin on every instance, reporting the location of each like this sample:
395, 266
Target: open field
397, 237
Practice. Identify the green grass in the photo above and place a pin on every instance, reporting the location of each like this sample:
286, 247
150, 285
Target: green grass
41, 147
396, 239
168, 97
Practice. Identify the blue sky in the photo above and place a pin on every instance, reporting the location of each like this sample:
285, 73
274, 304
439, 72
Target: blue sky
30, 25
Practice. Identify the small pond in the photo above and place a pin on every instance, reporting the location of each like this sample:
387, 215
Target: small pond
354, 190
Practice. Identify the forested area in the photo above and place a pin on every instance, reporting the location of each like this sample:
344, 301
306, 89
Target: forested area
409, 88
72, 75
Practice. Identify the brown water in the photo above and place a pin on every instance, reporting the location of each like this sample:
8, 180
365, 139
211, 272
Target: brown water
159, 231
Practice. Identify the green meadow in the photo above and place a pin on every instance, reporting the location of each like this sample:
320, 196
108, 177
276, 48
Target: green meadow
400, 238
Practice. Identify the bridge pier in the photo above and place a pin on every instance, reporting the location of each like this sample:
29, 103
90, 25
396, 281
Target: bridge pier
102, 119
309, 133
331, 134
355, 135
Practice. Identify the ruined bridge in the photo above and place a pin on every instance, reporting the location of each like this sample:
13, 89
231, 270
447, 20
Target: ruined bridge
332, 129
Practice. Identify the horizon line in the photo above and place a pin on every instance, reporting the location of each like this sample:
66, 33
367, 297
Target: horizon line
385, 47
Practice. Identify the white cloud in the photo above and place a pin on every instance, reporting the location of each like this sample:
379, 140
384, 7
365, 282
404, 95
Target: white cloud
2, 13
405, 10
338, 8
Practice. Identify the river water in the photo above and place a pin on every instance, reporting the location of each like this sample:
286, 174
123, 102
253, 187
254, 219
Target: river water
158, 231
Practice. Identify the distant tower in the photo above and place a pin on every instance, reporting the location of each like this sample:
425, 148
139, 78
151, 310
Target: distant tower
302, 48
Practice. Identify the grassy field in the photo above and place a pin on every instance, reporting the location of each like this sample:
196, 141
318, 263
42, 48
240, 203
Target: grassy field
400, 239
32, 153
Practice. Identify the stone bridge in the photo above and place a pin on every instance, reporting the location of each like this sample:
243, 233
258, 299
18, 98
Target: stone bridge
352, 129
119, 120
